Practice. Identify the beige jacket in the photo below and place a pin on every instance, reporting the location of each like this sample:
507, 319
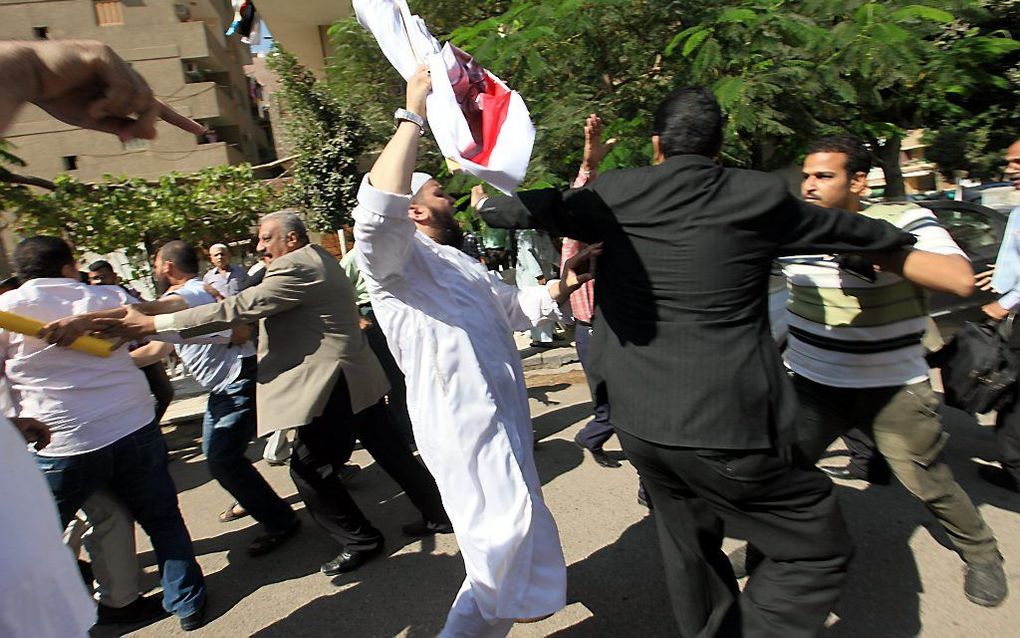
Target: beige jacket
309, 335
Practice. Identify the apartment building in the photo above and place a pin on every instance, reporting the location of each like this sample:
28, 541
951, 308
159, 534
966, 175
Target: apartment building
180, 48
304, 32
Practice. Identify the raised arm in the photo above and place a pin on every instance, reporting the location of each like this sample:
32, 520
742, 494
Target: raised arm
799, 228
382, 231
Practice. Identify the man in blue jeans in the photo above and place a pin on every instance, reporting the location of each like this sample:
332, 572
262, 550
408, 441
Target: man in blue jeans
101, 418
224, 364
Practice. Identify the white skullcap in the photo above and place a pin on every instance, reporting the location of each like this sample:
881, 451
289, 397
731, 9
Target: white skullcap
215, 246
418, 180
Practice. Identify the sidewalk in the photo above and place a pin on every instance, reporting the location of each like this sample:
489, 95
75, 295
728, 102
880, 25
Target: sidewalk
189, 397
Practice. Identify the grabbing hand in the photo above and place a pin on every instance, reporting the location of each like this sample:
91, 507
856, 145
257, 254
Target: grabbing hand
134, 325
64, 332
595, 150
983, 280
580, 268
33, 431
84, 83
418, 88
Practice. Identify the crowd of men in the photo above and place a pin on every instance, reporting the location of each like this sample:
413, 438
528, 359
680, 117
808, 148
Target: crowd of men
408, 343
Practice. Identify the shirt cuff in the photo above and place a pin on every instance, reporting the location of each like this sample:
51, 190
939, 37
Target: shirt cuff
164, 323
381, 202
1010, 300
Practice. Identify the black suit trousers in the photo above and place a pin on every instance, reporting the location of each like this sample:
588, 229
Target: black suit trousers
784, 508
323, 446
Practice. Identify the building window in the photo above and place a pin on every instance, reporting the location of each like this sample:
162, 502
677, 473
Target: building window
109, 12
41, 33
70, 162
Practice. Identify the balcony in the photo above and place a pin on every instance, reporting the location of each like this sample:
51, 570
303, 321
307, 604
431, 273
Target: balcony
207, 101
197, 42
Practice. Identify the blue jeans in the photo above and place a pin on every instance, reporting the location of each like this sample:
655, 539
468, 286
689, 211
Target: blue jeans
134, 468
229, 425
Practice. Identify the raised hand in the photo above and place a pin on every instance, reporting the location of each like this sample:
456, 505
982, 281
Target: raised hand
595, 150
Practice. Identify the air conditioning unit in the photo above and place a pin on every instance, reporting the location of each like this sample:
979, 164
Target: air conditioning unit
183, 12
193, 72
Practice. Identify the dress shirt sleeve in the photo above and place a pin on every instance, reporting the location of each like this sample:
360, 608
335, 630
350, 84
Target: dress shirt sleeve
383, 233
567, 213
799, 228
282, 288
1011, 299
526, 307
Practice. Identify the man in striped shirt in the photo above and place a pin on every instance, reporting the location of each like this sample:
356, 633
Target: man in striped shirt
855, 351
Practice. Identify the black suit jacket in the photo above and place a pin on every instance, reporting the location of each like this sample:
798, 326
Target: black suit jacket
681, 344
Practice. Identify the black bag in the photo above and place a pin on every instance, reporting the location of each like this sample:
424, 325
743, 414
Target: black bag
979, 370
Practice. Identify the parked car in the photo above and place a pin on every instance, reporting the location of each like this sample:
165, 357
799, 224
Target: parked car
978, 230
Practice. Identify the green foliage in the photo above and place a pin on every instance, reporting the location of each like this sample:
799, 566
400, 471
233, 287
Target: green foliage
328, 138
220, 203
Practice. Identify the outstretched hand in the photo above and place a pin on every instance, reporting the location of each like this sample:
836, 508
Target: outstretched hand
86, 84
64, 332
983, 280
133, 325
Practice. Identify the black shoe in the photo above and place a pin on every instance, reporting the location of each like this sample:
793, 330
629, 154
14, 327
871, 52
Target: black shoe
194, 620
144, 609
745, 559
544, 345
599, 454
349, 471
265, 543
843, 473
423, 528
998, 477
985, 584
348, 560
277, 463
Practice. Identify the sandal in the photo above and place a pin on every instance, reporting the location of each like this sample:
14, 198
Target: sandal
232, 513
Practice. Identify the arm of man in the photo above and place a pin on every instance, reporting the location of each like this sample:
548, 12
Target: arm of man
566, 213
282, 288
382, 230
799, 228
64, 331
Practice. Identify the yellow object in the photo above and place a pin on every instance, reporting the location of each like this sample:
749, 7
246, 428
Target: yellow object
31, 327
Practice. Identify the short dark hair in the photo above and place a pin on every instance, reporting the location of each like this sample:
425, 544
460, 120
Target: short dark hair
858, 157
689, 122
42, 256
184, 256
100, 264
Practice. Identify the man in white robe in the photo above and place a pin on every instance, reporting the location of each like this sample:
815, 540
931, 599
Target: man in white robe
449, 323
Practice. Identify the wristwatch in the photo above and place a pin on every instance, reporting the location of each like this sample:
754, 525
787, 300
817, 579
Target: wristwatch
403, 115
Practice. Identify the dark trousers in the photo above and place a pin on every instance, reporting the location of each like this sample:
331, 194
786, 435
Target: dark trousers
134, 468
227, 429
323, 446
396, 403
599, 429
160, 386
784, 508
1007, 435
865, 461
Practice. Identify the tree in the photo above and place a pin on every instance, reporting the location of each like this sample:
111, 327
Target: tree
329, 140
219, 203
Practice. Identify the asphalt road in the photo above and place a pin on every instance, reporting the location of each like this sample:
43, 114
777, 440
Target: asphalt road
904, 582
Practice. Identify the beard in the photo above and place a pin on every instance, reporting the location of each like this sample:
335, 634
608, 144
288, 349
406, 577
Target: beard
451, 234
162, 283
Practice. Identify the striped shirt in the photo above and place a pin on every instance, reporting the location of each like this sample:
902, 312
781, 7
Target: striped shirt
847, 332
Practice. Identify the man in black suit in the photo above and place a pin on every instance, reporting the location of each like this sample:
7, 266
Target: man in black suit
682, 348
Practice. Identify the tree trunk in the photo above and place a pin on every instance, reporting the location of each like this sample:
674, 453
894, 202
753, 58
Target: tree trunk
888, 156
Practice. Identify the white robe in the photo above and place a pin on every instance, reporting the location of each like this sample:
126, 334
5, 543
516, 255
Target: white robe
448, 322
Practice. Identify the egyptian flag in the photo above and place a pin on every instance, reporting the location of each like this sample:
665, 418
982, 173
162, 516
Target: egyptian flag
478, 122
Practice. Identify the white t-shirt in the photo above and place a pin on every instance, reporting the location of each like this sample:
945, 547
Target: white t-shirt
850, 333
89, 402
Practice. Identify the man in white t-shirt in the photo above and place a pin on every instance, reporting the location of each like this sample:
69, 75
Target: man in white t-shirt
224, 365
101, 417
855, 350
